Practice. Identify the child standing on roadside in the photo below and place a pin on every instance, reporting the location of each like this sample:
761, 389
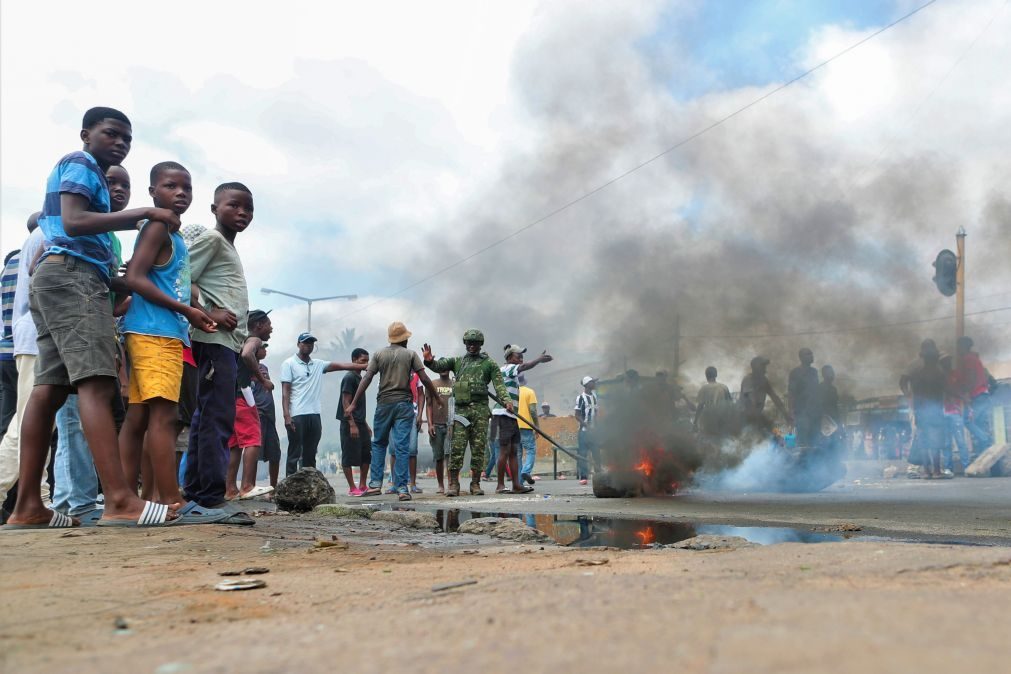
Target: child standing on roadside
76, 337
157, 328
220, 282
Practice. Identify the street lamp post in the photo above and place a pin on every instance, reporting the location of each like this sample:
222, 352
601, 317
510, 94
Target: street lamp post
308, 300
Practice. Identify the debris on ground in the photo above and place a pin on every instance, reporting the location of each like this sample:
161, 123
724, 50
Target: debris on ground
303, 490
241, 584
709, 542
345, 511
994, 462
590, 562
844, 527
506, 528
452, 586
408, 518
889, 472
334, 542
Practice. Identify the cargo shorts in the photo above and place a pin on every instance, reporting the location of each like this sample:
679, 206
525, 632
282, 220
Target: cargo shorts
70, 305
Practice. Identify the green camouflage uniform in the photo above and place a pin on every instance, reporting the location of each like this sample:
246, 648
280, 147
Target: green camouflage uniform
473, 374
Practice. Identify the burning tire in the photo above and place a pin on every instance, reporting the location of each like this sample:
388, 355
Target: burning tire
616, 484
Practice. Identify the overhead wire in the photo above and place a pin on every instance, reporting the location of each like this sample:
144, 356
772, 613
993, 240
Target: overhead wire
860, 328
624, 174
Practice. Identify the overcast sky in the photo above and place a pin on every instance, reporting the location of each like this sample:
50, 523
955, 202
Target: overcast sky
384, 141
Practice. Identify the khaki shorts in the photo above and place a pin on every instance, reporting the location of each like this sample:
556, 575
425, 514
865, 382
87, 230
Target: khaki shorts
70, 305
156, 367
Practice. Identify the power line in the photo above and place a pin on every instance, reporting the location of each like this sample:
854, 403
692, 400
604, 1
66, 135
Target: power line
859, 328
684, 141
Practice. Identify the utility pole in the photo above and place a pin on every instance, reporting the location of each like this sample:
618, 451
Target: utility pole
960, 285
677, 346
308, 300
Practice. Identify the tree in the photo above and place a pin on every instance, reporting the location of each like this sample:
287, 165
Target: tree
347, 342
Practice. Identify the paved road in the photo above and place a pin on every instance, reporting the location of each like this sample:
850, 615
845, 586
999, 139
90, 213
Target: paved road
959, 510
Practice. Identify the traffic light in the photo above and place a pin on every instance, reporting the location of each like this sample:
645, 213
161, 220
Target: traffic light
945, 272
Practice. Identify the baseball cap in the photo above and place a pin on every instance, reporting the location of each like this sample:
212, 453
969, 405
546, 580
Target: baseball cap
587, 379
306, 337
257, 315
510, 349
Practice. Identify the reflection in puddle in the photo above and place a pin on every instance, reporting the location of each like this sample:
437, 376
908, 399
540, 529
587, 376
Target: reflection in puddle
576, 531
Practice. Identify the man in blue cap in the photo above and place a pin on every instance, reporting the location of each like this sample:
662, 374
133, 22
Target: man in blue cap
301, 390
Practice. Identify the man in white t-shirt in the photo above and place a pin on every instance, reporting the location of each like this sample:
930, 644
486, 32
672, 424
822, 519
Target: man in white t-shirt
505, 423
301, 390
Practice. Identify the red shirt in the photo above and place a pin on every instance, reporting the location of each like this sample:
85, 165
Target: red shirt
952, 399
973, 375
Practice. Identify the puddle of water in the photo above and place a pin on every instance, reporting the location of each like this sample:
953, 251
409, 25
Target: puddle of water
577, 531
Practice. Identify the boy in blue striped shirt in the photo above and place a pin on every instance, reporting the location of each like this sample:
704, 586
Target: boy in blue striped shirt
76, 337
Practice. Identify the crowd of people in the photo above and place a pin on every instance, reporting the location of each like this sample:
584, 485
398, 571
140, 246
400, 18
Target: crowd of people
151, 373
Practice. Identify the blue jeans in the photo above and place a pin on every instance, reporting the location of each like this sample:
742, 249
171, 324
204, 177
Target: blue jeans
978, 423
529, 443
76, 489
392, 422
492, 457
956, 429
587, 446
414, 438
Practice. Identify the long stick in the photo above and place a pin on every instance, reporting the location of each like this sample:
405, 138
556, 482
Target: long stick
535, 428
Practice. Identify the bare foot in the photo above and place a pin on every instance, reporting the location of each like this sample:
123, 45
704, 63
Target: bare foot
35, 513
231, 494
130, 509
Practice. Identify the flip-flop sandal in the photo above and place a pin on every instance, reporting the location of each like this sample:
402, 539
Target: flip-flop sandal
391, 490
241, 519
255, 492
91, 517
194, 513
522, 490
372, 491
416, 490
404, 496
504, 490
153, 515
57, 521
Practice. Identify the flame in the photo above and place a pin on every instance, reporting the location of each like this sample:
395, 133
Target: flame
645, 467
646, 537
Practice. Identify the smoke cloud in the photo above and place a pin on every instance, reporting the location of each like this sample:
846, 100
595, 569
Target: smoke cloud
820, 209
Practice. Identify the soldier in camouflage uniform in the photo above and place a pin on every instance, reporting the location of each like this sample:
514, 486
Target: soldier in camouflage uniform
474, 371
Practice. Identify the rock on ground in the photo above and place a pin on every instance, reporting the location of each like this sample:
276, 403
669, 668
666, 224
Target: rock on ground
708, 542
506, 528
303, 490
343, 511
408, 518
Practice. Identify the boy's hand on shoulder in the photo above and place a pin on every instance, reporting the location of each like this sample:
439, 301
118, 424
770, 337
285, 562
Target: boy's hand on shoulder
166, 216
225, 319
267, 384
201, 321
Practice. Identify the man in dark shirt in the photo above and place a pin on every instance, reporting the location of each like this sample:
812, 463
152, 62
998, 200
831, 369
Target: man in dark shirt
356, 436
802, 394
828, 402
270, 447
925, 386
439, 430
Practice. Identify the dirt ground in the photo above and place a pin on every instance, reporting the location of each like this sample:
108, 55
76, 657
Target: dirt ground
98, 600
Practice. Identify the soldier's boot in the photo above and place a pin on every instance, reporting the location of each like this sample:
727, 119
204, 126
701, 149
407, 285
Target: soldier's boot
454, 483
475, 487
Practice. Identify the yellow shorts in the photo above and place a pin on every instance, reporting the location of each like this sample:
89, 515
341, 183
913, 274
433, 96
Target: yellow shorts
156, 367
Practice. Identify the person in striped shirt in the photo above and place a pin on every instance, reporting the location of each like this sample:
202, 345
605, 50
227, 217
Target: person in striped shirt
507, 427
586, 415
8, 370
